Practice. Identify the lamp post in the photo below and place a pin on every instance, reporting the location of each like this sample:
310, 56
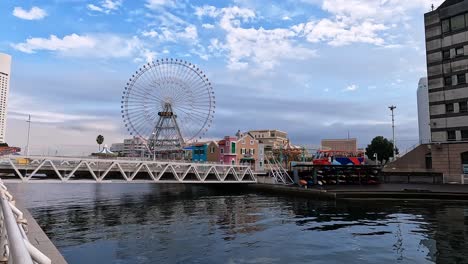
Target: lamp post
29, 129
154, 148
392, 108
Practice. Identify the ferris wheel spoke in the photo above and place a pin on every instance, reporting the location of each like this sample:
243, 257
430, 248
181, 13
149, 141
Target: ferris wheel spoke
142, 91
181, 84
194, 110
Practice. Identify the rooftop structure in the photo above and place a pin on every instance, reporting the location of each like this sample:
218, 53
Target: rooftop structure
349, 145
270, 138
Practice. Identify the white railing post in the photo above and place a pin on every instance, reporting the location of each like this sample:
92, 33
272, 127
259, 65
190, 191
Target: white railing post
18, 251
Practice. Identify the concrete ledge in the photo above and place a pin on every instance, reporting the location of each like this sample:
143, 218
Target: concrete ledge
38, 238
292, 190
384, 191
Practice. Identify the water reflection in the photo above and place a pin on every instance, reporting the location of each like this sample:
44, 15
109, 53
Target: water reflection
144, 223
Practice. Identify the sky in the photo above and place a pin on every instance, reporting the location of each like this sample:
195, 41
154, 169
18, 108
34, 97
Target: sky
313, 68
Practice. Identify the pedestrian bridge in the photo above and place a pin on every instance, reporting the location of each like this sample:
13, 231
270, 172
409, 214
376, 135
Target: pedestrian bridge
67, 169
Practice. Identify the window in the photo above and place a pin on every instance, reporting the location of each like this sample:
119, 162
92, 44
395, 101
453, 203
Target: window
451, 135
221, 150
428, 161
243, 141
251, 142
445, 25
449, 108
448, 80
212, 150
446, 54
464, 134
261, 163
463, 107
461, 78
457, 22
459, 51
233, 162
243, 151
233, 147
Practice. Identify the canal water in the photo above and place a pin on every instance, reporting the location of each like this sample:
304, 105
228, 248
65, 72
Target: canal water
156, 223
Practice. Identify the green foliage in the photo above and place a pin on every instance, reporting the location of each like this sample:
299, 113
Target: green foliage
382, 146
100, 139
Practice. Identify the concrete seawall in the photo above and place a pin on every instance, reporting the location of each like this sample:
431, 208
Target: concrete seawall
294, 191
384, 191
37, 237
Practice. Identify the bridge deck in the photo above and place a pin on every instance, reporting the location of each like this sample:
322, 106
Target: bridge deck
64, 169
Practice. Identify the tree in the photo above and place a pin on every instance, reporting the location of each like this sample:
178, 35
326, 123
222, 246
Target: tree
100, 140
382, 146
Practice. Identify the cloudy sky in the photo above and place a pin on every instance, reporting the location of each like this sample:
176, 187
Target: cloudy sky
314, 68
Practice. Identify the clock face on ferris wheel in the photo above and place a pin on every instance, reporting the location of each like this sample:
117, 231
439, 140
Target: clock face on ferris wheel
174, 82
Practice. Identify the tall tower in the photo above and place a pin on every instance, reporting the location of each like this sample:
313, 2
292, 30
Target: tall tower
5, 66
423, 112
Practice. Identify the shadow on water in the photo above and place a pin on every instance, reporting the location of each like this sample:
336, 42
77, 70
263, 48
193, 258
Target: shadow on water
141, 223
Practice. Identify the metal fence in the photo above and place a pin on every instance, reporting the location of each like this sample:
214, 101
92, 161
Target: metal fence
14, 244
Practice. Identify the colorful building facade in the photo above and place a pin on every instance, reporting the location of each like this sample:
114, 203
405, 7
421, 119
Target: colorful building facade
199, 152
247, 150
212, 154
228, 150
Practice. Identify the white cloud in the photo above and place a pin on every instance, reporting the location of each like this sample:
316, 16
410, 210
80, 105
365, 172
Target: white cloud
92, 46
189, 33
208, 26
150, 33
351, 88
106, 6
286, 18
95, 8
264, 48
156, 4
339, 32
386, 10
35, 13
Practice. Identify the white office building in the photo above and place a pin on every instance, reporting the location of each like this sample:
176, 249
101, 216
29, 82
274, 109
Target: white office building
423, 111
5, 66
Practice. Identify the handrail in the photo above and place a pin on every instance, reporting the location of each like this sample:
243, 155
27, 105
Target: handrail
17, 248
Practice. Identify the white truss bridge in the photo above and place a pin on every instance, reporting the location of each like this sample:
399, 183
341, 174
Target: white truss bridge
66, 169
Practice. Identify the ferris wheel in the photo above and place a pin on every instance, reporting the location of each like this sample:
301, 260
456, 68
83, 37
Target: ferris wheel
168, 102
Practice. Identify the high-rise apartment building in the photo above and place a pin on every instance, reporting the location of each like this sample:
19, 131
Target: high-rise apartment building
447, 71
5, 67
423, 112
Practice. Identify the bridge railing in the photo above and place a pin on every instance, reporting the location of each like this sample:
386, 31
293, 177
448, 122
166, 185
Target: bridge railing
118, 169
14, 244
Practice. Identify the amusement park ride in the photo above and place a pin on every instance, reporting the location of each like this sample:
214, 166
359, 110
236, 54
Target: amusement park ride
168, 103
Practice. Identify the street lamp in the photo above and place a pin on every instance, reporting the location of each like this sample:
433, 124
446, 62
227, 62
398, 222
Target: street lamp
154, 148
29, 129
392, 108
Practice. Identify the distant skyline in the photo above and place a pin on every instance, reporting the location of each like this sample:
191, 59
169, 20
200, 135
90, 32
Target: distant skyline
313, 68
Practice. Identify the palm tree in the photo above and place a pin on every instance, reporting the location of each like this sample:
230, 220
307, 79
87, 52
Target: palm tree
100, 140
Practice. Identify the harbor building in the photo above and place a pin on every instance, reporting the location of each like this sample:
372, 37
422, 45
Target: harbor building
423, 112
227, 150
271, 139
131, 147
447, 68
446, 37
213, 152
349, 144
5, 72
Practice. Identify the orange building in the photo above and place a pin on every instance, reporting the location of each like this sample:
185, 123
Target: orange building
349, 145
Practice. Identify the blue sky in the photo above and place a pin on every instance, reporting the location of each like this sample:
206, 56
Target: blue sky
313, 68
